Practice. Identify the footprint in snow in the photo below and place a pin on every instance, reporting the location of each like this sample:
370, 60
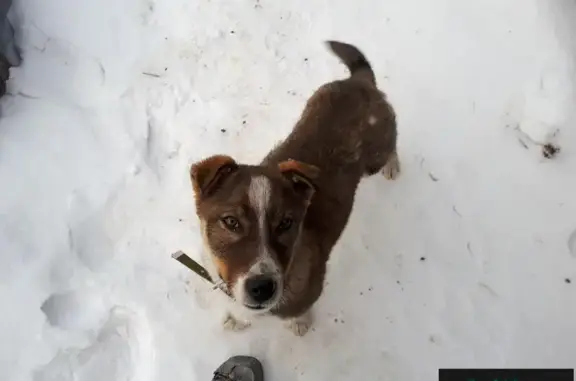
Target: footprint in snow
122, 350
88, 236
74, 310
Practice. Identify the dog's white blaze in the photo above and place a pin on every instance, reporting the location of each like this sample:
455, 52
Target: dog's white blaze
372, 120
259, 196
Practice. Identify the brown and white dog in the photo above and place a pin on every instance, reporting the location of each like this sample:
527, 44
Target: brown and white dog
268, 229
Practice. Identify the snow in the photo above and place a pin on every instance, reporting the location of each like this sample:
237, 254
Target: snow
464, 261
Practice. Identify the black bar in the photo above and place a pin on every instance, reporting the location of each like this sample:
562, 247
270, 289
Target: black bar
506, 375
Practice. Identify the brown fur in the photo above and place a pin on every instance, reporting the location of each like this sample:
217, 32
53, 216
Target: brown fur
346, 131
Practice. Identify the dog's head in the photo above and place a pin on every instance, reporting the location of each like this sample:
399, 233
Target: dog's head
251, 218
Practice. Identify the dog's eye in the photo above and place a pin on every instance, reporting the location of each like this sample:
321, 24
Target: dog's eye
284, 225
231, 223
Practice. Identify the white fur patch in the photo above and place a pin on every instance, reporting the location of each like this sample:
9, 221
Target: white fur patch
232, 323
392, 168
301, 324
372, 120
259, 194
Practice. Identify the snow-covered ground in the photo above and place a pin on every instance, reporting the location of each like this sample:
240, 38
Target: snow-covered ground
468, 260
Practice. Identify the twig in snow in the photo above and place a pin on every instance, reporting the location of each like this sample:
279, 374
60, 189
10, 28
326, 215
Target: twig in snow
456, 211
524, 136
549, 150
27, 96
522, 143
432, 177
102, 70
151, 74
488, 288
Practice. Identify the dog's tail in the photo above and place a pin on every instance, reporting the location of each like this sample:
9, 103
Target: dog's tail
353, 58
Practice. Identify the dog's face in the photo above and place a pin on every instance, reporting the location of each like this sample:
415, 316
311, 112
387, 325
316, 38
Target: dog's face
251, 218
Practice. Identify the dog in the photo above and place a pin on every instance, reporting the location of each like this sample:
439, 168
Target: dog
268, 229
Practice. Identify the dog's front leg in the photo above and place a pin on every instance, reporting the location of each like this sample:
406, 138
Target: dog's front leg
300, 324
232, 323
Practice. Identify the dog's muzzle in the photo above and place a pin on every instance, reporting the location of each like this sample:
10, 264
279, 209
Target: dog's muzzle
261, 289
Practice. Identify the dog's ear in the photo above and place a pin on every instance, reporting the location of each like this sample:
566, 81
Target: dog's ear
301, 175
208, 174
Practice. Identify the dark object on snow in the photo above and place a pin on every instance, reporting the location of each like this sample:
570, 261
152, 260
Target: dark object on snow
549, 150
4, 74
9, 55
239, 368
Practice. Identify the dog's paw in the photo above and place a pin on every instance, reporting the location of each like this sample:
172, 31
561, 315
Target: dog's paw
298, 328
230, 323
391, 170
300, 325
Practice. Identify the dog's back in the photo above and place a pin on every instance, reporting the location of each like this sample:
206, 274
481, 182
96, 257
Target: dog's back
346, 126
347, 130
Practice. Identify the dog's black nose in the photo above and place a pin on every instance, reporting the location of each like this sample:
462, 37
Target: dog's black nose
261, 288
